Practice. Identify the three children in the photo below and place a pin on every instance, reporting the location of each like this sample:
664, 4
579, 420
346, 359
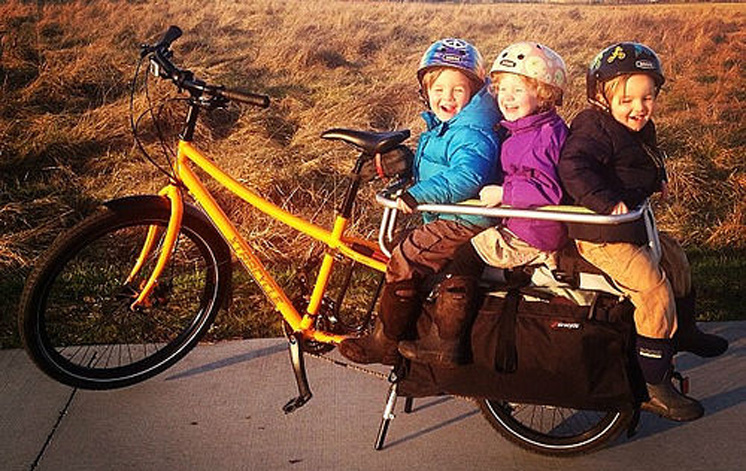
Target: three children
610, 163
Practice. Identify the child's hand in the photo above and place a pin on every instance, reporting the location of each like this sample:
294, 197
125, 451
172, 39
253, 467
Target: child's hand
620, 208
403, 207
491, 195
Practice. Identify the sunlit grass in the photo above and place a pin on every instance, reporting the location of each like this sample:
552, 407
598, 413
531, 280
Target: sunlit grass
65, 142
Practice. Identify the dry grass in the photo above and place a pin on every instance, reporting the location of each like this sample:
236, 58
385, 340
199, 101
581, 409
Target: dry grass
65, 142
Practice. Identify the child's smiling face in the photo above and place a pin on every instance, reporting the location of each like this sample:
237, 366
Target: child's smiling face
515, 97
632, 102
449, 93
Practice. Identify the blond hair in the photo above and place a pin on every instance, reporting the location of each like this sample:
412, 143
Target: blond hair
608, 88
432, 75
547, 96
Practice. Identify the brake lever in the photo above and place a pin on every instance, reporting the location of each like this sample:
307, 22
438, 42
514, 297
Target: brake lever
395, 188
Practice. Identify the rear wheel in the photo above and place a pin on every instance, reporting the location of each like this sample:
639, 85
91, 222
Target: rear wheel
554, 430
76, 321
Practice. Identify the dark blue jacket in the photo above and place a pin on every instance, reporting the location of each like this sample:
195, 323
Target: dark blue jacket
603, 163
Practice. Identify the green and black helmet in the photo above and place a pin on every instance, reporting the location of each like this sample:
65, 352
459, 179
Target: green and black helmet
622, 59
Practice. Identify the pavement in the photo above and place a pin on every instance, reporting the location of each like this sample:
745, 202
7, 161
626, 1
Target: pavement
220, 408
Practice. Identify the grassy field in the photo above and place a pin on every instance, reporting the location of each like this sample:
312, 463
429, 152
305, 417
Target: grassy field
65, 142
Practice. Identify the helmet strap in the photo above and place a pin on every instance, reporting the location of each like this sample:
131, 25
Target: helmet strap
604, 104
423, 97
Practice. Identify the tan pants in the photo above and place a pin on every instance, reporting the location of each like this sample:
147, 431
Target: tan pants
650, 286
676, 265
499, 247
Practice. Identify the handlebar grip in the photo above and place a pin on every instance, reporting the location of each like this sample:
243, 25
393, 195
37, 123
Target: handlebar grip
173, 33
253, 99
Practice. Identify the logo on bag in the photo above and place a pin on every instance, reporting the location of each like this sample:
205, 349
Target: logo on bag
558, 325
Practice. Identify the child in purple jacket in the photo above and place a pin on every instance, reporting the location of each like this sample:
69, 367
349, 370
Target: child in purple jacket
528, 81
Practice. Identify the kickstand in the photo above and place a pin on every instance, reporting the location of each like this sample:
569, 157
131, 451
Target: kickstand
299, 369
388, 411
408, 405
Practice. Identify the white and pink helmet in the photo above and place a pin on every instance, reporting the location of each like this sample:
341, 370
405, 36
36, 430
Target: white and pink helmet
532, 60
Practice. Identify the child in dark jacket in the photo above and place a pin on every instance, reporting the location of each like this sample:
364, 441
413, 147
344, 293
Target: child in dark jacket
610, 164
528, 81
455, 157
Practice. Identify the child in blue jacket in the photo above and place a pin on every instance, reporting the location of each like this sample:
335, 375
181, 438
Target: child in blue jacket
455, 157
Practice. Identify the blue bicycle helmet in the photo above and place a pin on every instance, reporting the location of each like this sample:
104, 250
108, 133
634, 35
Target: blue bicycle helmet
454, 53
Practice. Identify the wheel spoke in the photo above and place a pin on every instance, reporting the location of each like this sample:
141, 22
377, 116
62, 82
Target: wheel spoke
76, 311
553, 430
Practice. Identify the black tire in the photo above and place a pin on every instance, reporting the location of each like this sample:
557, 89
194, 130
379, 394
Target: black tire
554, 431
75, 318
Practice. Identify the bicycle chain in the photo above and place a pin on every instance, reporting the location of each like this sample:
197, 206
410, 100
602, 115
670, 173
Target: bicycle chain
351, 366
377, 374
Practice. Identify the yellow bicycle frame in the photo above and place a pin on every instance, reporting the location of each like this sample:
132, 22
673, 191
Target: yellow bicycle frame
334, 240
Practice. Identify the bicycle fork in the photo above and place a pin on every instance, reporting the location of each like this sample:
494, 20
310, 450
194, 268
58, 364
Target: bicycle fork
168, 243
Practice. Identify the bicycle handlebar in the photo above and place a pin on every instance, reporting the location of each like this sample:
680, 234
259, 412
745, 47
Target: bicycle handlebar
253, 99
172, 34
160, 57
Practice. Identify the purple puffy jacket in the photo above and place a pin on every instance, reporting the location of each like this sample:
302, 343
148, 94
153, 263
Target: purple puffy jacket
529, 158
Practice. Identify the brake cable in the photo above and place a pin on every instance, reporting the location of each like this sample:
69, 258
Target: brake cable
134, 124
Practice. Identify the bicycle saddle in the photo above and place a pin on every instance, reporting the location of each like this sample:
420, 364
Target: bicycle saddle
369, 142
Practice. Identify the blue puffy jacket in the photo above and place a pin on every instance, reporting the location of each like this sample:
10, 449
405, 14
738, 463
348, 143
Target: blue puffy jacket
456, 158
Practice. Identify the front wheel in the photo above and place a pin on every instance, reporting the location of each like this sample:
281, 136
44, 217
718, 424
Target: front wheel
554, 430
75, 318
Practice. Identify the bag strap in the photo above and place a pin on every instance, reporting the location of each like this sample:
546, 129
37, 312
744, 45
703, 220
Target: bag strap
506, 358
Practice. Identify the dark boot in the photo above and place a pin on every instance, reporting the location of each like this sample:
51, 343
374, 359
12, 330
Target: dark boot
372, 348
664, 399
688, 337
443, 344
668, 402
399, 306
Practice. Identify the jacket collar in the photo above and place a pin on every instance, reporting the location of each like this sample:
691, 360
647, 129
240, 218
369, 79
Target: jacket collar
647, 134
529, 122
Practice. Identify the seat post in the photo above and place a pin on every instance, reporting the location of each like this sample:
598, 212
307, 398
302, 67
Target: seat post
345, 209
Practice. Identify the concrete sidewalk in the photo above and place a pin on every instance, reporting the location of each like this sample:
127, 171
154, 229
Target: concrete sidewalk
220, 409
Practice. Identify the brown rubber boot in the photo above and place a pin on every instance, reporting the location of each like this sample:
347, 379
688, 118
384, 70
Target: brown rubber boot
443, 344
688, 337
399, 306
372, 348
